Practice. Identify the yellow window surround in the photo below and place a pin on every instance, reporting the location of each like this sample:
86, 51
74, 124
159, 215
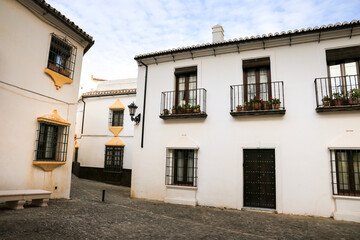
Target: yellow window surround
115, 130
55, 118
117, 105
115, 141
48, 166
59, 80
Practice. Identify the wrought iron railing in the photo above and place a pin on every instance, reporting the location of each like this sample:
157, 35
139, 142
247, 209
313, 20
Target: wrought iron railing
337, 91
257, 97
183, 102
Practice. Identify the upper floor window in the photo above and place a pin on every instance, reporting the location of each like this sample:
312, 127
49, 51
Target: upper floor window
117, 118
62, 56
186, 84
345, 165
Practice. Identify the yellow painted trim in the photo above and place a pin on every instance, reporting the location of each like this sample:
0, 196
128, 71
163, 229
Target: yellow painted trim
59, 80
115, 141
54, 117
48, 166
116, 130
76, 144
117, 105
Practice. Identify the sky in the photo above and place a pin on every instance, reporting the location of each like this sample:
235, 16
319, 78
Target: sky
123, 29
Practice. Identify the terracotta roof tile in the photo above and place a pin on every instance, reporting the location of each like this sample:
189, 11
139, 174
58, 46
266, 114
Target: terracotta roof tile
110, 92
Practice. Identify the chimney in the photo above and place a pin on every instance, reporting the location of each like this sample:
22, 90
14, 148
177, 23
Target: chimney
217, 33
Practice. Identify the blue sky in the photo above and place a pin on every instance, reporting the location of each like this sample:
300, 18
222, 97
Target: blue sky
123, 29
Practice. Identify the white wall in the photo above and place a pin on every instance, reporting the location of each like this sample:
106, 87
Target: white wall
24, 48
300, 137
96, 130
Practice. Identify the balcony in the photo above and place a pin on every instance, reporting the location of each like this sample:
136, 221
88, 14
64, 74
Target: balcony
257, 99
183, 104
340, 93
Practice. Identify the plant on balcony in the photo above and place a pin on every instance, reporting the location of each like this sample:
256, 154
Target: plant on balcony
53, 67
166, 111
266, 104
256, 103
339, 98
238, 108
275, 102
326, 100
196, 108
247, 106
180, 109
188, 108
354, 96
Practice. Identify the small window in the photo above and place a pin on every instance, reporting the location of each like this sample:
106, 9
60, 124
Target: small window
114, 158
61, 56
345, 166
52, 142
117, 118
181, 167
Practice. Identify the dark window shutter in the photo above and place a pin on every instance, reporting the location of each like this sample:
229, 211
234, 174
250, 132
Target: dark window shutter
179, 71
342, 54
254, 63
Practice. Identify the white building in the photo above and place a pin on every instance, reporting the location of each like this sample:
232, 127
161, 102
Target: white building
105, 132
297, 157
41, 56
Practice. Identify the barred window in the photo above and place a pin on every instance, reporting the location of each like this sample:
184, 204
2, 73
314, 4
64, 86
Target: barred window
52, 142
62, 56
345, 171
114, 158
118, 118
181, 167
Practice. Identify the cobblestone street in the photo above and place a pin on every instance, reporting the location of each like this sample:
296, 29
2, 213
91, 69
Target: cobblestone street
120, 217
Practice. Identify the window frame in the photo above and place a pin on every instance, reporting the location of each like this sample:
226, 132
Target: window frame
110, 153
120, 122
187, 73
62, 56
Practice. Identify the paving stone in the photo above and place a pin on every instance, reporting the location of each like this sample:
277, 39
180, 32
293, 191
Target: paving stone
85, 216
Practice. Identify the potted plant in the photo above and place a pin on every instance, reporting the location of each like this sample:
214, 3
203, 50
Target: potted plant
196, 108
338, 99
247, 106
188, 108
64, 72
326, 101
256, 103
173, 110
238, 108
53, 67
275, 102
179, 109
354, 96
267, 105
166, 111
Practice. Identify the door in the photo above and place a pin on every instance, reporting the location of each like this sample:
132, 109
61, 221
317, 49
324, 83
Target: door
259, 178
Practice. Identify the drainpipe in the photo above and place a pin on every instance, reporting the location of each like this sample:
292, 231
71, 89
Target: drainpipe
143, 114
83, 116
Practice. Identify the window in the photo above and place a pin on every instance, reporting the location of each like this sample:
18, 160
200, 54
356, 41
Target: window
345, 165
181, 167
52, 142
343, 69
61, 56
186, 84
117, 118
113, 158
257, 79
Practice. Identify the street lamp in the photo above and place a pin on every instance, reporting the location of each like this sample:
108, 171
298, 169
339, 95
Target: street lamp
132, 109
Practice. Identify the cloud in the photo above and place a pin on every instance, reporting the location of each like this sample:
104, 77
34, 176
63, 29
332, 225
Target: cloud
123, 29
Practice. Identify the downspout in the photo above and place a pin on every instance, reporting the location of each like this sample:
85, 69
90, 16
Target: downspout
143, 114
83, 116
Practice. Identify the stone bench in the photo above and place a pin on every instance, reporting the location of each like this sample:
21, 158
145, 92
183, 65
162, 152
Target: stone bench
15, 199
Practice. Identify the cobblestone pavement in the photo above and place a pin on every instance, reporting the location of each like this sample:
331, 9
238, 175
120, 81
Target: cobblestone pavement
120, 217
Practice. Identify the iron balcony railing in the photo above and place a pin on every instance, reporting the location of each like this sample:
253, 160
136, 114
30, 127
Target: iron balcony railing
183, 102
257, 97
337, 91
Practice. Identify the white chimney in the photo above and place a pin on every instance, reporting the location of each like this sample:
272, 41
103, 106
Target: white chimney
217, 33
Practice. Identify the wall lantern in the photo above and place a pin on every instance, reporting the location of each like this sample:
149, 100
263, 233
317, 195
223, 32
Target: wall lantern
132, 109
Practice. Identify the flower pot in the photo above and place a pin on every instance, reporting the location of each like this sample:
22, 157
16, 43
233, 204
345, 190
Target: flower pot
166, 112
326, 103
64, 72
256, 106
196, 110
238, 108
353, 101
338, 102
173, 111
267, 107
276, 105
53, 67
188, 110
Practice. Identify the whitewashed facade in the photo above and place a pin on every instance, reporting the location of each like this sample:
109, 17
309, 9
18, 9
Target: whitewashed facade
96, 132
41, 52
303, 138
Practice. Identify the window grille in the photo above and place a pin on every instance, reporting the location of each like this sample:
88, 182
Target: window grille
345, 172
113, 158
116, 118
181, 167
62, 56
51, 142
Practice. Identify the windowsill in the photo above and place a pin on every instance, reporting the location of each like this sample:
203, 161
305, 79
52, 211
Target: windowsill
181, 187
59, 79
346, 197
183, 115
48, 166
338, 108
258, 112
